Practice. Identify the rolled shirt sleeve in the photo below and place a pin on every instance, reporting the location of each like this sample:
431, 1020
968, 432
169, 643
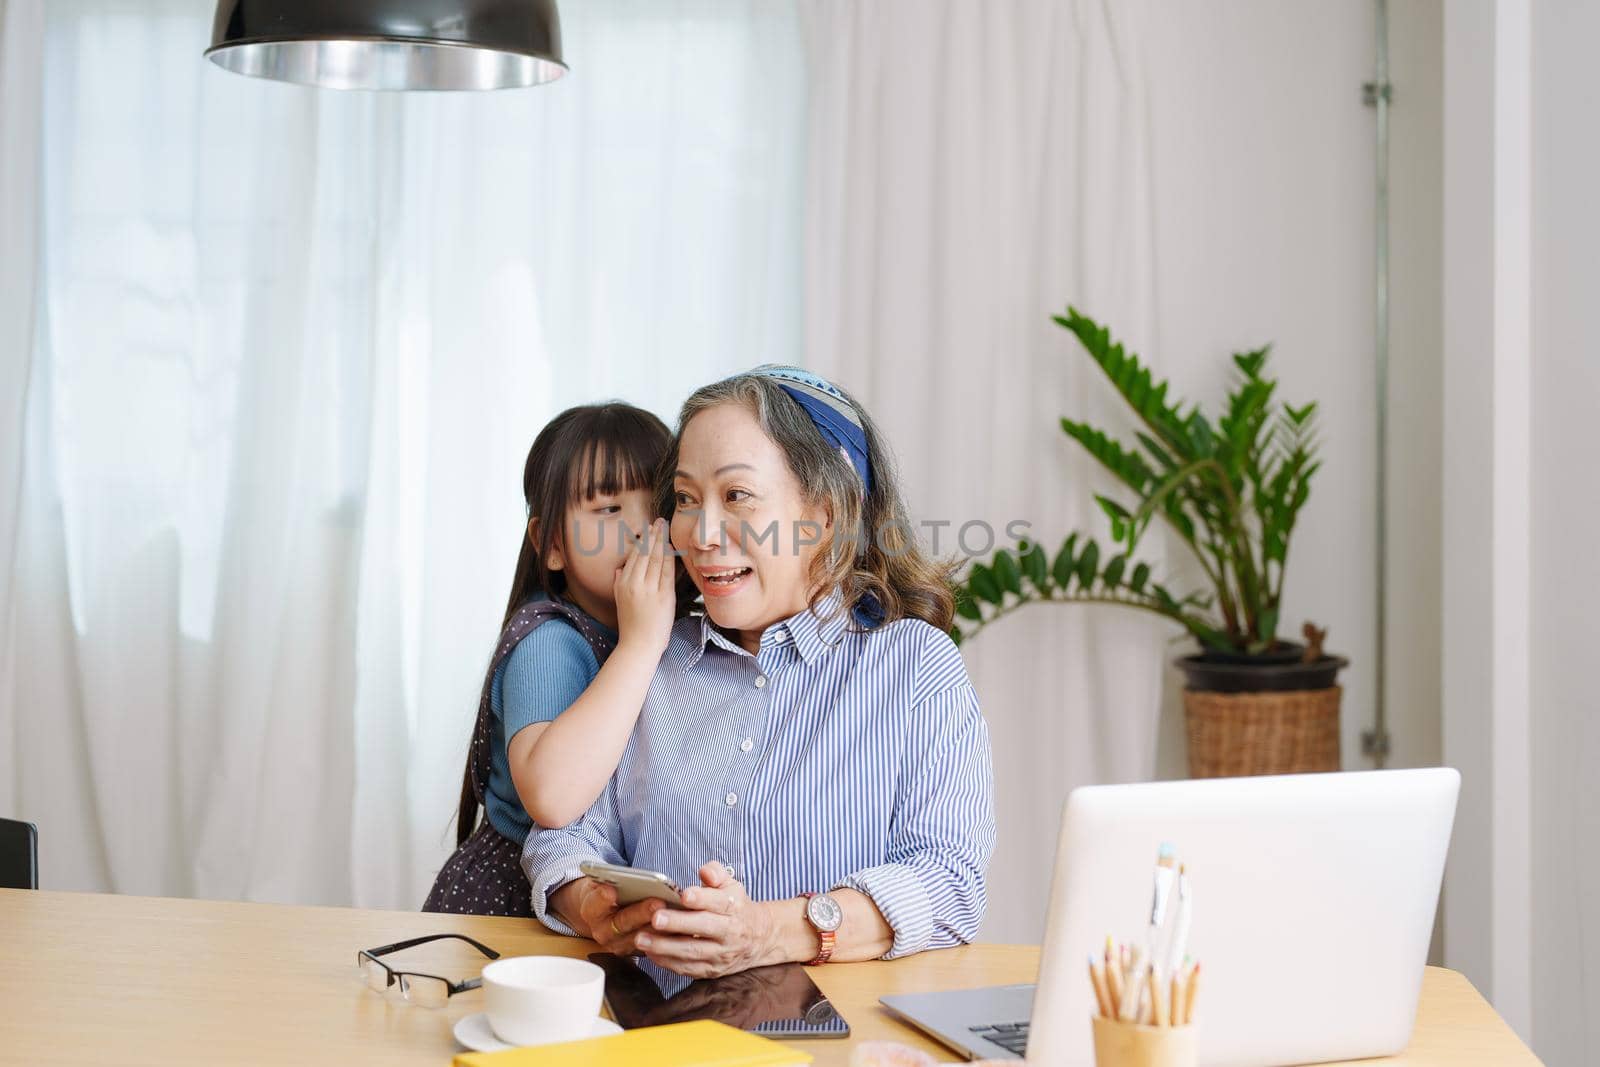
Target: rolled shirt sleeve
932, 889
550, 858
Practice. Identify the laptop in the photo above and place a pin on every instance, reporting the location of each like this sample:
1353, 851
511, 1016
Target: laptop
1313, 905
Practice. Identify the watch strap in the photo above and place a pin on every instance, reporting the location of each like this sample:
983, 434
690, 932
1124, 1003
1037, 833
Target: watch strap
828, 938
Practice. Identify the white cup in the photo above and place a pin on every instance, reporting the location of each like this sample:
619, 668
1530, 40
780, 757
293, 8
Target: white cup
531, 1000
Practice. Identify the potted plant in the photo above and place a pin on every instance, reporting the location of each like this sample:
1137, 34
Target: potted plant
1230, 491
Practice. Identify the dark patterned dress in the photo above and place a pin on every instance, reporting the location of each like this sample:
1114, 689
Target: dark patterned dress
484, 875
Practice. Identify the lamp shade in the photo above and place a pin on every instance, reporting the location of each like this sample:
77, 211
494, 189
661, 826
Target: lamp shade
390, 44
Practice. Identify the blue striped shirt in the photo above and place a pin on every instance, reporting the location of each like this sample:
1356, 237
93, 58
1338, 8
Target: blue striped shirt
830, 759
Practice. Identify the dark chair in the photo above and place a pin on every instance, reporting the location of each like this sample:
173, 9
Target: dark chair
19, 855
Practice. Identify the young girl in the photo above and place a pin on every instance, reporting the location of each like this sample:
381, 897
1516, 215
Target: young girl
591, 609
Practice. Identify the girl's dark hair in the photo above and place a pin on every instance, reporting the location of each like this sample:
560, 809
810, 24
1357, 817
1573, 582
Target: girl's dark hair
587, 451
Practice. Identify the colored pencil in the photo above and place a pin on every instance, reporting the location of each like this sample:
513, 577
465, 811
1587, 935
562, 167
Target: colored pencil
1102, 995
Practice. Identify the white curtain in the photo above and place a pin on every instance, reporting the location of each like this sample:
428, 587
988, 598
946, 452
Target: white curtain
972, 168
263, 497
21, 78
289, 347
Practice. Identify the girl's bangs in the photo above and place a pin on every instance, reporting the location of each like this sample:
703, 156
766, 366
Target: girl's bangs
616, 459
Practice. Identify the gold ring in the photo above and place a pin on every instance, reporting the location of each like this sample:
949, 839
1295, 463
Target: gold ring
614, 926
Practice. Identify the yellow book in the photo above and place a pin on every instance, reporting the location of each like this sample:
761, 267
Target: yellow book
703, 1043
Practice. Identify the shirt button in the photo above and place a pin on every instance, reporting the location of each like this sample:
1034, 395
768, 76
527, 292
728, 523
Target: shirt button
783, 635
746, 745
731, 872
761, 680
731, 799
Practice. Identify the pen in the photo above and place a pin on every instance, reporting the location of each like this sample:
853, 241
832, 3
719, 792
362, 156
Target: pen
1180, 936
1161, 892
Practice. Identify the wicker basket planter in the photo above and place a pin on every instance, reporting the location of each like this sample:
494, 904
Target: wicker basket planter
1235, 734
1242, 719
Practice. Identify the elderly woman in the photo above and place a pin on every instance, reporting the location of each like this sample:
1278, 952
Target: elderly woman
810, 759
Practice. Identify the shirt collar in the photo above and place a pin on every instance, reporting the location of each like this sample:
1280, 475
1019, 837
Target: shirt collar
813, 631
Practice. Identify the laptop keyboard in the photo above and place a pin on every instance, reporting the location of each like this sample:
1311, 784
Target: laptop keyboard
1013, 1037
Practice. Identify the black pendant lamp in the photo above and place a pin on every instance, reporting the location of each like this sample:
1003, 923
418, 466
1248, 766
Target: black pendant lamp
390, 44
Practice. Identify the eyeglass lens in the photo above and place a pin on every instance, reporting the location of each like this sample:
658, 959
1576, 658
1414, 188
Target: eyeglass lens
425, 991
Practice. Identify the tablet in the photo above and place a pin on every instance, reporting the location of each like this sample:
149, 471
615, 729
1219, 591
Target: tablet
779, 1001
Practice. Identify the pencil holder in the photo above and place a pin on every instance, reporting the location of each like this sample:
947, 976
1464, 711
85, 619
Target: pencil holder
1120, 1044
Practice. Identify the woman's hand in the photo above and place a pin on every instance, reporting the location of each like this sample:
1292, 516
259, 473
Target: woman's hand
590, 907
644, 589
720, 931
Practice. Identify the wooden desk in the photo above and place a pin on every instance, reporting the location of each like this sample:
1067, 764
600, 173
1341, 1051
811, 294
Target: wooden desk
88, 978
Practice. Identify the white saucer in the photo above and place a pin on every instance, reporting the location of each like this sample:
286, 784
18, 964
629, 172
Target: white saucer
473, 1032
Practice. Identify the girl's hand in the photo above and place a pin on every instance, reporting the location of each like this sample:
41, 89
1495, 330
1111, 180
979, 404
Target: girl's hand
644, 590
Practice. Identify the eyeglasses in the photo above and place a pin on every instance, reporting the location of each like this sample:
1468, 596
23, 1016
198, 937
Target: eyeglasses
425, 990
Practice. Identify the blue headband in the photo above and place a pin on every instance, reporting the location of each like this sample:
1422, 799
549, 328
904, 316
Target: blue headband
833, 415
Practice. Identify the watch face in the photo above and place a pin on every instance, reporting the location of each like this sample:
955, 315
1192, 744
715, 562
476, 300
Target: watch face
820, 1013
824, 912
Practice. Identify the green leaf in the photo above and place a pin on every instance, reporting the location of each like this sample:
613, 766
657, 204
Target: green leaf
1208, 636
1113, 575
1120, 525
1141, 574
1035, 565
1139, 391
1300, 416
955, 635
968, 608
1250, 363
1156, 451
1273, 546
1173, 509
1065, 563
1125, 463
1130, 378
1007, 572
1202, 439
1088, 564
983, 584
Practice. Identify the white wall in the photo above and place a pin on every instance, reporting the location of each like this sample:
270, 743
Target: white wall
1565, 530
1264, 169
1466, 552
1522, 500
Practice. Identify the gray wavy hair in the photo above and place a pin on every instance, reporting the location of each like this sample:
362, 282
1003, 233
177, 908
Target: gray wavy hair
871, 554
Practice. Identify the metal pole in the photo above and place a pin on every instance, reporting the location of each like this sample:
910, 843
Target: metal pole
1379, 95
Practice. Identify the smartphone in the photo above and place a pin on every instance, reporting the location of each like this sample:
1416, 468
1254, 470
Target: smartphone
634, 884
780, 1001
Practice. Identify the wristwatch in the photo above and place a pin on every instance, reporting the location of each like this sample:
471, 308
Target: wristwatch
825, 915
